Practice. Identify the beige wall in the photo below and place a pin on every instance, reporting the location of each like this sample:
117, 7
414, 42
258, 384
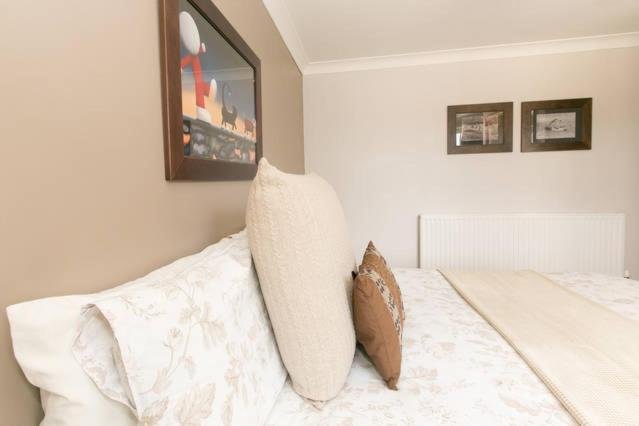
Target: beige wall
84, 203
380, 138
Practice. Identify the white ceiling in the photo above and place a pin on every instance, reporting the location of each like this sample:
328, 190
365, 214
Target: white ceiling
318, 31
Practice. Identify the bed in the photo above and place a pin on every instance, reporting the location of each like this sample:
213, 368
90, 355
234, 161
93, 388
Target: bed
456, 368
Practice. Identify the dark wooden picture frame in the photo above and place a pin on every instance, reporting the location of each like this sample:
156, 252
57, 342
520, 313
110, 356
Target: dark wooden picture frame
179, 166
575, 134
502, 112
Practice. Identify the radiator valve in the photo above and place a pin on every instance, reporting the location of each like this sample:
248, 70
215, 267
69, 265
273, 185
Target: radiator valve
626, 274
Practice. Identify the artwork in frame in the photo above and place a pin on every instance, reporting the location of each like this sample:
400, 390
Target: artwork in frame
211, 95
480, 128
557, 125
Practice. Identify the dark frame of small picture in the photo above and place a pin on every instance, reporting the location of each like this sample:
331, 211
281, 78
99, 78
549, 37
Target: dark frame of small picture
556, 125
211, 95
480, 128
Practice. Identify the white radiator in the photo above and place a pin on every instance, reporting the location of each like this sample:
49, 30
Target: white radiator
542, 242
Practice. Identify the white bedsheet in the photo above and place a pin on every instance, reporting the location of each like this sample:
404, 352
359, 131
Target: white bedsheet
455, 368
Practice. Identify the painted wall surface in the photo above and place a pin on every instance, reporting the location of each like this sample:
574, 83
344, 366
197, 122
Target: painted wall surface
379, 137
84, 204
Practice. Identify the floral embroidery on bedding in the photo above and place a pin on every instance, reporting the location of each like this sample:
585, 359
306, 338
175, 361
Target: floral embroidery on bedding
456, 369
193, 349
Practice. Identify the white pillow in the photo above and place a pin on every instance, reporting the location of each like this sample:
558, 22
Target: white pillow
43, 332
197, 347
303, 256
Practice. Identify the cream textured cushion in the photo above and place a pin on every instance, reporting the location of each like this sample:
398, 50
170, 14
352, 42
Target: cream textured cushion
304, 259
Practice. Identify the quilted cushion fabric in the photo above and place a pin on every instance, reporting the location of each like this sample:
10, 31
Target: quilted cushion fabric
304, 259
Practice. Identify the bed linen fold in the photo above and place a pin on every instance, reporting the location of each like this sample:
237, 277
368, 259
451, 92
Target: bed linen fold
586, 354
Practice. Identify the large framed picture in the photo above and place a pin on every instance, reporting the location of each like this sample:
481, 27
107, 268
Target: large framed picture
211, 95
480, 128
557, 125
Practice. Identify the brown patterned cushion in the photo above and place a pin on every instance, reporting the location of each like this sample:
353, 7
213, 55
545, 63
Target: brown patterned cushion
378, 320
374, 259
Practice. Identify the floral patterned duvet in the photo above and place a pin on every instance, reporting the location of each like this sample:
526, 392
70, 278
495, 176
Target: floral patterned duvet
456, 369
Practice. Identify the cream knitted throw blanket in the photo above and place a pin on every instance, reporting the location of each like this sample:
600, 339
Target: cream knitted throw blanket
587, 355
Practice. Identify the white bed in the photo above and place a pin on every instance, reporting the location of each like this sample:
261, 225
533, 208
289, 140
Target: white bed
456, 369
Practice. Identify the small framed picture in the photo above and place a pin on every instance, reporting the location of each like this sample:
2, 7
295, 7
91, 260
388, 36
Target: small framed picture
557, 125
480, 128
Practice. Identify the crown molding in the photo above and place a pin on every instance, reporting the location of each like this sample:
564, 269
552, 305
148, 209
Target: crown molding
281, 16
548, 47
283, 20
